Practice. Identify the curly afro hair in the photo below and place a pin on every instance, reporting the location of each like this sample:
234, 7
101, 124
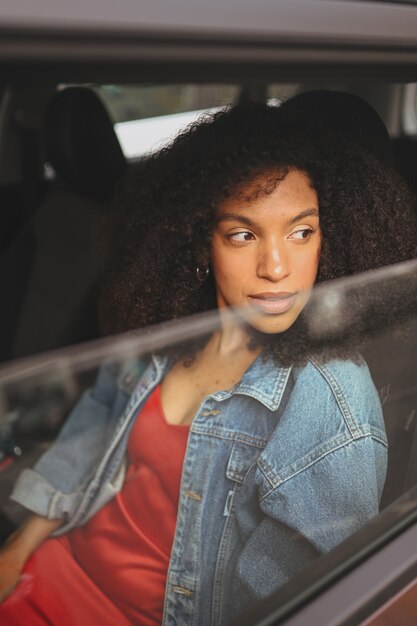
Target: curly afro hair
160, 225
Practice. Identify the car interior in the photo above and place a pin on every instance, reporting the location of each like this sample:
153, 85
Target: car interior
60, 164
60, 160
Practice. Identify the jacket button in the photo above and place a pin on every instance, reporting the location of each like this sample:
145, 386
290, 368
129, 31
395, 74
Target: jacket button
193, 495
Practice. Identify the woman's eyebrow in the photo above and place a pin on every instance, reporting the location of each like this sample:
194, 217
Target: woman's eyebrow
303, 214
236, 217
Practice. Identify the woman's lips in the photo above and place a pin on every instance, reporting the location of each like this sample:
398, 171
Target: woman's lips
273, 304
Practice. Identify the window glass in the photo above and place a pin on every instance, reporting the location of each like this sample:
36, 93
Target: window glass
38, 394
148, 117
134, 102
409, 113
282, 91
284, 463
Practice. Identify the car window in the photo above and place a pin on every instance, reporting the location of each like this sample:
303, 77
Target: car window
147, 117
54, 304
37, 394
278, 490
136, 102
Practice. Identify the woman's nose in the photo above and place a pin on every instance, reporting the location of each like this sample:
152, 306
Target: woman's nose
273, 262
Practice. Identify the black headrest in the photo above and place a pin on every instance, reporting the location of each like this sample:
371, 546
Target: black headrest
340, 113
81, 144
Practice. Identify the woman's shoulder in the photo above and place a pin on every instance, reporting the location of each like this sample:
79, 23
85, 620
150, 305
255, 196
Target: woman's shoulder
348, 385
337, 371
333, 407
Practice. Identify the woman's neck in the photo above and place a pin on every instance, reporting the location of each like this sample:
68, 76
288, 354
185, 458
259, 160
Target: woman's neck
232, 338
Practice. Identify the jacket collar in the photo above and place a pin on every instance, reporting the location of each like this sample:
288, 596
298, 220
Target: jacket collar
264, 380
140, 373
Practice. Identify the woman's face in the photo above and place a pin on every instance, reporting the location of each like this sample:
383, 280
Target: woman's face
265, 250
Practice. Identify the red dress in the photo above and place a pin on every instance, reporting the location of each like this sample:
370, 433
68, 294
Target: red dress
112, 570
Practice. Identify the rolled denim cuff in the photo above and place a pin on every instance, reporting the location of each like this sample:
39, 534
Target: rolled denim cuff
35, 493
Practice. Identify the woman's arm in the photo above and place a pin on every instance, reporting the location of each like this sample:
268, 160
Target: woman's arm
19, 547
54, 486
307, 515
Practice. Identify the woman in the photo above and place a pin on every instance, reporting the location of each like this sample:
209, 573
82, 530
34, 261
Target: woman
248, 458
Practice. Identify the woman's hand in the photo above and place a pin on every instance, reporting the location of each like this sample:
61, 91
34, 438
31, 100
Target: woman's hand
12, 561
19, 548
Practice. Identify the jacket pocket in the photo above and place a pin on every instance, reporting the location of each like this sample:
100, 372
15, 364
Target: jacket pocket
242, 457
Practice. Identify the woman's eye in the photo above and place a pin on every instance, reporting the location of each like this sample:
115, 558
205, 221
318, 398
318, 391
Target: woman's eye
303, 234
241, 237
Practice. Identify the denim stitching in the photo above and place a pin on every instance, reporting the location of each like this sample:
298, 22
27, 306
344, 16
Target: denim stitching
339, 395
229, 435
300, 464
273, 400
266, 469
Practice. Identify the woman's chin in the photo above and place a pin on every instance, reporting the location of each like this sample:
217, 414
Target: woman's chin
273, 324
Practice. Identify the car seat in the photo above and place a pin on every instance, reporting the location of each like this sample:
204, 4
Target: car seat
59, 306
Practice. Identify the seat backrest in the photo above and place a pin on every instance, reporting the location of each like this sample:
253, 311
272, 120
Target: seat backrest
59, 306
81, 143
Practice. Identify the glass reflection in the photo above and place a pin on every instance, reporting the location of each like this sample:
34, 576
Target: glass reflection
214, 458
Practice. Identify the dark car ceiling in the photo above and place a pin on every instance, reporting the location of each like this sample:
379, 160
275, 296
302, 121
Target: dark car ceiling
192, 40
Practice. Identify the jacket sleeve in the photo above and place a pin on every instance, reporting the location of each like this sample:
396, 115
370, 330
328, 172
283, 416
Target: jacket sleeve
54, 487
307, 515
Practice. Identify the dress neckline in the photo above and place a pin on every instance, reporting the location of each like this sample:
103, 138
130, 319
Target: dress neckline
158, 402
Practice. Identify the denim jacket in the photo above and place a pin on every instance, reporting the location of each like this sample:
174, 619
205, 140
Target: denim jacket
278, 469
